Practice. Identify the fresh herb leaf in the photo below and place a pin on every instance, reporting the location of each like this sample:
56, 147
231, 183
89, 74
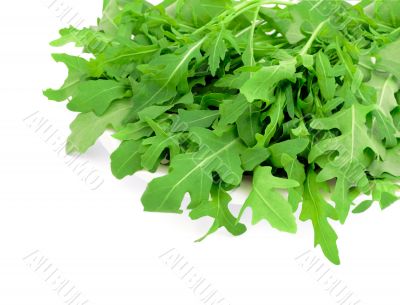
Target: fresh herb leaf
303, 98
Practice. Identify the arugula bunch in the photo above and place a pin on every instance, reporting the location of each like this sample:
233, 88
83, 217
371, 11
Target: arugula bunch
302, 97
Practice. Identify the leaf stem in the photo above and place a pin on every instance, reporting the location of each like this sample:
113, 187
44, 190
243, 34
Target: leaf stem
259, 22
251, 36
314, 35
257, 4
239, 9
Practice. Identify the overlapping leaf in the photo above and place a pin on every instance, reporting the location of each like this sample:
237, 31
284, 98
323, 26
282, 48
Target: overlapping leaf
298, 97
349, 167
192, 172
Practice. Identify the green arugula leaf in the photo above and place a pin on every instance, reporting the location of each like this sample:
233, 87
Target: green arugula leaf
216, 50
263, 82
96, 95
159, 85
194, 118
303, 97
276, 116
217, 208
91, 40
390, 164
363, 206
285, 155
126, 160
231, 110
153, 112
316, 209
87, 127
267, 203
78, 70
253, 157
115, 60
386, 102
385, 192
199, 12
158, 144
326, 79
249, 124
350, 165
134, 131
387, 59
386, 11
192, 172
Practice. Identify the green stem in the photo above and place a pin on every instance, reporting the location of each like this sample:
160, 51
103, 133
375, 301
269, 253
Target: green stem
251, 36
242, 32
395, 31
257, 4
238, 10
314, 35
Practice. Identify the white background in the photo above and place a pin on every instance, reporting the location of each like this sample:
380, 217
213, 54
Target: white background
103, 242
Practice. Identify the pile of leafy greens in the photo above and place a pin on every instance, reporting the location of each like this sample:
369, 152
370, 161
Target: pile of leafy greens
301, 97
